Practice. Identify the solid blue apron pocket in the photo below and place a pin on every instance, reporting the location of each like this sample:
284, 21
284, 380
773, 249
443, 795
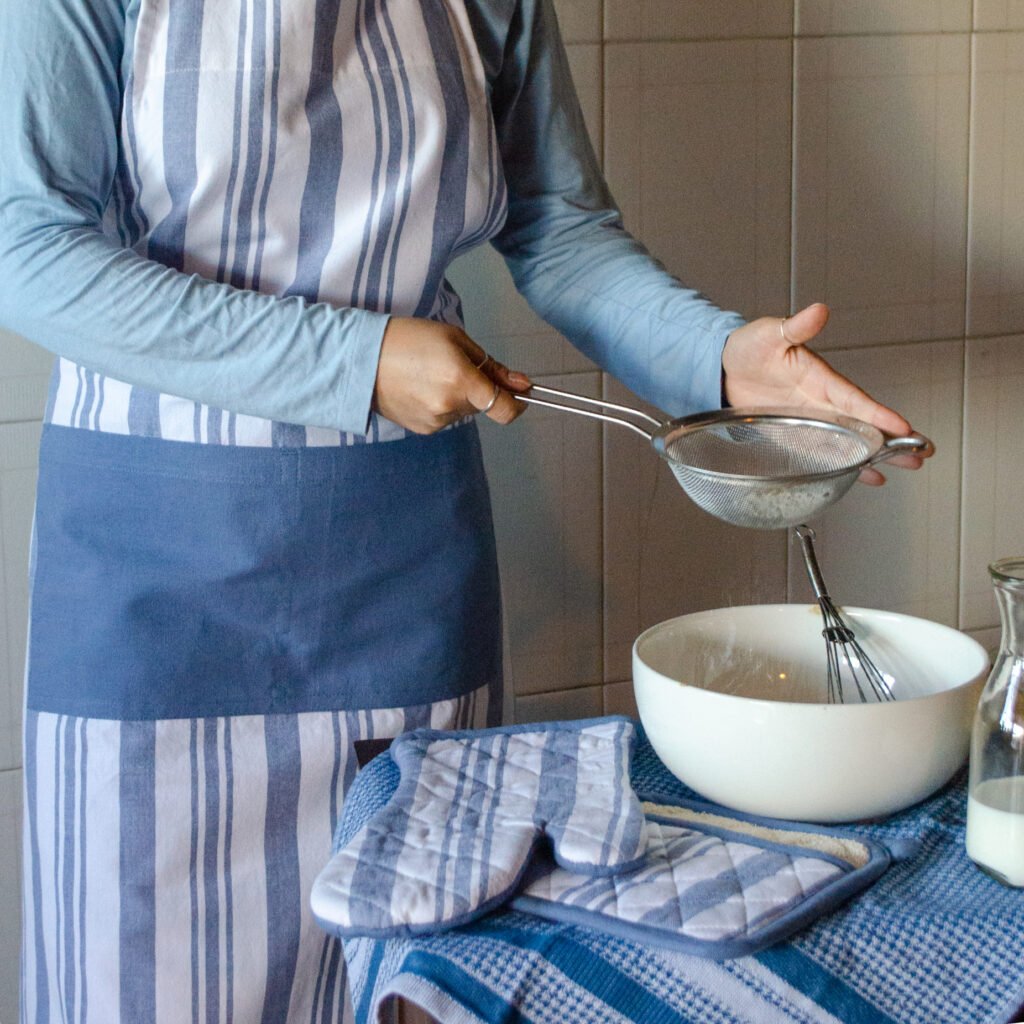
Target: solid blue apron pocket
185, 580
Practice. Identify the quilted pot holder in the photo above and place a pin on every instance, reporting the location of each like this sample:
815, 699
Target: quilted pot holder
713, 883
470, 808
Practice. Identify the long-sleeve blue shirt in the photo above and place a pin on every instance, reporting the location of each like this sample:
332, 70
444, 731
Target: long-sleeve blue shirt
201, 204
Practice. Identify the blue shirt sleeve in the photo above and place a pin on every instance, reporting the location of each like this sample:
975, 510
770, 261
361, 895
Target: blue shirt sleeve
564, 241
69, 286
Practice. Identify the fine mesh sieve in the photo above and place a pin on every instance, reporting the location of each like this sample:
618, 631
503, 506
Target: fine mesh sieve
765, 469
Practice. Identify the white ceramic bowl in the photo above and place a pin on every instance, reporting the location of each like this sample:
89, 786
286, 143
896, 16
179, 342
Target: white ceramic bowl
733, 701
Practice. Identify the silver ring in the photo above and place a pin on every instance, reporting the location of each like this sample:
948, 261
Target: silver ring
782, 330
483, 363
490, 405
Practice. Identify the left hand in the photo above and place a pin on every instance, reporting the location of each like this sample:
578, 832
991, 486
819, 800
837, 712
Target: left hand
767, 363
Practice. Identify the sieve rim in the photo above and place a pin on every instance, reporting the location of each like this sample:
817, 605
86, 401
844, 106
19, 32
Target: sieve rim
836, 422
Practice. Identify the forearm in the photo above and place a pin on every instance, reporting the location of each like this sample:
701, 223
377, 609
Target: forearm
81, 295
604, 291
567, 249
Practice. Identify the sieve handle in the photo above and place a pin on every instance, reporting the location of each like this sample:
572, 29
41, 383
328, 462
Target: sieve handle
912, 444
560, 397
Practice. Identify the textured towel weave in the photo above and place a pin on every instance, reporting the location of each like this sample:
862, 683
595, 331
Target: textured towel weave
933, 941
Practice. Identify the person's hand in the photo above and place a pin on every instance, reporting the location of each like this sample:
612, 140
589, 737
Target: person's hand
432, 374
767, 363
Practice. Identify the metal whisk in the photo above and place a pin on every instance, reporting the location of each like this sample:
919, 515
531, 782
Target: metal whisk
845, 658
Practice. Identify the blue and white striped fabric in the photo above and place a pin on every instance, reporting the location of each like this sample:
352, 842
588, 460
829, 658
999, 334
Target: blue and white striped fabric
323, 182
933, 941
458, 833
233, 817
235, 152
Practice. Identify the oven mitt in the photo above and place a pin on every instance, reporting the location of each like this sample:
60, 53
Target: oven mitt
713, 883
459, 830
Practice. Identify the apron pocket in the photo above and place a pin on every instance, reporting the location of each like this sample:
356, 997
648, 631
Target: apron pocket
184, 580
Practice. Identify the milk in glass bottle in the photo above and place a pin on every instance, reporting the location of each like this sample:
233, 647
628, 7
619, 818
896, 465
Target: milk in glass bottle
995, 802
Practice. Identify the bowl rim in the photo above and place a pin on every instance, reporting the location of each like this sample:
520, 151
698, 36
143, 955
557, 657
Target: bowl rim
812, 706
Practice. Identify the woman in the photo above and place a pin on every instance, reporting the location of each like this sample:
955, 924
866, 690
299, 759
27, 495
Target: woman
262, 530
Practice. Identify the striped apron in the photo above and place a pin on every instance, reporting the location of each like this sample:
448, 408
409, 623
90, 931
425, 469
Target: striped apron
227, 611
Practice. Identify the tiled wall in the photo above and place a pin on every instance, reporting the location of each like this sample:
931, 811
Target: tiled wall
772, 153
775, 153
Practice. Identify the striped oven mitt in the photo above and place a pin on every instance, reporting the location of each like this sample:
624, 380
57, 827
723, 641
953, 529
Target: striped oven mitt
456, 837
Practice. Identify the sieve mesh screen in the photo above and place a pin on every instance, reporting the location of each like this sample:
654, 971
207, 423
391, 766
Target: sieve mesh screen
765, 471
769, 448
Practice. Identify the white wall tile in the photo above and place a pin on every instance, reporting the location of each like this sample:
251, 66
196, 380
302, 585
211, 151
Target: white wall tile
579, 20
10, 893
993, 489
630, 20
995, 257
880, 150
989, 638
545, 473
497, 317
992, 15
619, 699
24, 374
19, 444
586, 702
664, 556
697, 154
840, 17
893, 547
585, 62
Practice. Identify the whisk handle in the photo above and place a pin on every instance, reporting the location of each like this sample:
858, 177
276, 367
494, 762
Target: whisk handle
806, 537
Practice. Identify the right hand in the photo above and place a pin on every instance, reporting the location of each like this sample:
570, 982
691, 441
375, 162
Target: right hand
430, 375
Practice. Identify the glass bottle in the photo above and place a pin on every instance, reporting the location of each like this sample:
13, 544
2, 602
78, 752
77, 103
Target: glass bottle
995, 801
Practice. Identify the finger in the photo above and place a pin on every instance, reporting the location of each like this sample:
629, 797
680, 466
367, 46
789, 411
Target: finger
906, 461
843, 395
486, 396
500, 406
506, 408
841, 392
801, 327
475, 354
875, 478
510, 380
849, 398
871, 477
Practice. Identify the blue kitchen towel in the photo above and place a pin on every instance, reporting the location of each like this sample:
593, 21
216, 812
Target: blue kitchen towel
713, 883
458, 833
932, 941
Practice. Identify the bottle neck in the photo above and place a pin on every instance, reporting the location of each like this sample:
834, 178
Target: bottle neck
1010, 599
